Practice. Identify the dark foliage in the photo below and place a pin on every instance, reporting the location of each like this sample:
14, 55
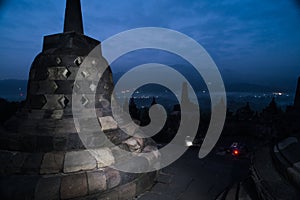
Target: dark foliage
7, 109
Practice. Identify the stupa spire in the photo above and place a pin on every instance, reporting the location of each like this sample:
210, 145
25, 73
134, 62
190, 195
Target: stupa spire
73, 17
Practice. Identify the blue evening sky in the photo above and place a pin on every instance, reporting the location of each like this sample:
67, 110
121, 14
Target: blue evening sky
256, 41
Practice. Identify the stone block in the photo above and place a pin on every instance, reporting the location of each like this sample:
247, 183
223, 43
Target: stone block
108, 123
133, 145
59, 143
145, 181
79, 160
130, 128
96, 182
44, 143
73, 186
52, 163
113, 178
48, 188
117, 137
104, 157
57, 114
74, 142
32, 163
127, 191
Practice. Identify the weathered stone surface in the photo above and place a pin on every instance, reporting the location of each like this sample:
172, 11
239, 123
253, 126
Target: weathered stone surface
73, 186
243, 195
294, 175
164, 178
48, 188
88, 125
13, 161
113, 178
52, 163
133, 145
45, 87
79, 160
145, 181
44, 143
52, 102
59, 143
113, 195
96, 182
287, 142
152, 155
18, 187
117, 137
36, 114
104, 157
297, 166
65, 126
128, 177
45, 127
108, 123
130, 128
32, 163
127, 191
57, 114
74, 142
57, 73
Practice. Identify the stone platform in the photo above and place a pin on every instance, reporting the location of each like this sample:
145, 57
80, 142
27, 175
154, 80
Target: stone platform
275, 174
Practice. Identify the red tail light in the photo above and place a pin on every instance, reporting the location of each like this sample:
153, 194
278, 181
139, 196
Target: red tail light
236, 152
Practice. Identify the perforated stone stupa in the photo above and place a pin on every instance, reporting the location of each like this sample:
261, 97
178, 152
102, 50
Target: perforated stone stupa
42, 156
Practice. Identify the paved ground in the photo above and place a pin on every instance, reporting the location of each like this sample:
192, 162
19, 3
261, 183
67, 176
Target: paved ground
191, 178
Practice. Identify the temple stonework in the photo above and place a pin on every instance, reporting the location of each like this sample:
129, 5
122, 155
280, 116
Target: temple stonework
42, 156
297, 96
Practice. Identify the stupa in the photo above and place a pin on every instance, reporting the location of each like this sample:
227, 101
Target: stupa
41, 154
297, 96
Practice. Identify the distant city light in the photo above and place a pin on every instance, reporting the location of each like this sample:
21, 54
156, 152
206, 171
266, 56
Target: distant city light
189, 143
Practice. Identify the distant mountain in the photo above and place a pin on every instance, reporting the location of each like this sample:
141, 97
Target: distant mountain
12, 87
248, 87
230, 87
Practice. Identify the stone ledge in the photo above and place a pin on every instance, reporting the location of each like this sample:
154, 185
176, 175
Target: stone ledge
98, 184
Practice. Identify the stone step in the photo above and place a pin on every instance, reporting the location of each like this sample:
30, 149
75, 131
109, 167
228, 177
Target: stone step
286, 158
103, 184
222, 196
270, 184
244, 190
233, 192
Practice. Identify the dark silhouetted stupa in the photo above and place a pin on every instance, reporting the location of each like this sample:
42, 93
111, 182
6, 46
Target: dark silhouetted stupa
297, 96
41, 154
